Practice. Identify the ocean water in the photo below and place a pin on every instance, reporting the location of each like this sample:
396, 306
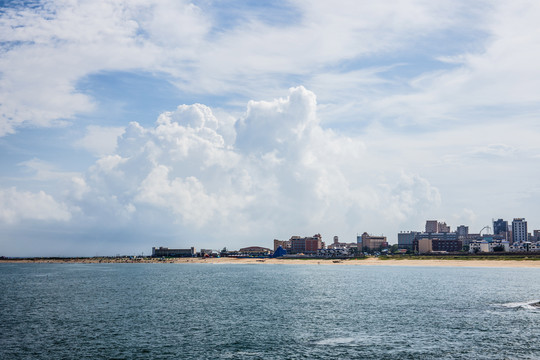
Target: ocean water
265, 311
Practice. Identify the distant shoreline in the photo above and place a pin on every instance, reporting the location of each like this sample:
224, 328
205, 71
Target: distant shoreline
370, 261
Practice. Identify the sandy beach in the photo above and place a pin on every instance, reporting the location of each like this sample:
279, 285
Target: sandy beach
371, 262
357, 262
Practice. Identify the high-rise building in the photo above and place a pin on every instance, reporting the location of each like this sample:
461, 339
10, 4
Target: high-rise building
443, 228
500, 227
405, 239
519, 230
432, 226
462, 230
307, 245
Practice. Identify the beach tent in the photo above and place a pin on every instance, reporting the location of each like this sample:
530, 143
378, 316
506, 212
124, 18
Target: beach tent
279, 252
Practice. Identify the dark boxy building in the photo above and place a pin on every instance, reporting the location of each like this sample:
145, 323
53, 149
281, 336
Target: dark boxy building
447, 245
500, 226
166, 252
442, 245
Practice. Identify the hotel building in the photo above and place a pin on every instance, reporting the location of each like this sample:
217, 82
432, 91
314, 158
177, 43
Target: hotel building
519, 230
371, 242
306, 245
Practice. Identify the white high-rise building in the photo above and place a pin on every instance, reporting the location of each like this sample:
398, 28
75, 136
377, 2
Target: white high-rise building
519, 230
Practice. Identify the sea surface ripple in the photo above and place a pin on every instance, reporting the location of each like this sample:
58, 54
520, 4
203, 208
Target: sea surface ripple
263, 311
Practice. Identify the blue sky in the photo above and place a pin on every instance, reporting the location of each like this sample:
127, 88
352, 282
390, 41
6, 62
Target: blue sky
131, 124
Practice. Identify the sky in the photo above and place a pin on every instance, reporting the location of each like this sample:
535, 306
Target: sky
131, 124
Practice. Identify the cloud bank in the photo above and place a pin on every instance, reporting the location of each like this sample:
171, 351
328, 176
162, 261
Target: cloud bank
283, 174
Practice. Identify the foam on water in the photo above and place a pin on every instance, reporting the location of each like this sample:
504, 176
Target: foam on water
527, 305
341, 341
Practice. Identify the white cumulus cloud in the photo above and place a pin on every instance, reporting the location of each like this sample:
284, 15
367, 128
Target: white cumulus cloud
100, 140
284, 174
17, 205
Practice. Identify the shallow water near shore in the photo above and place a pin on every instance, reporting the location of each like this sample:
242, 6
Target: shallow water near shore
200, 311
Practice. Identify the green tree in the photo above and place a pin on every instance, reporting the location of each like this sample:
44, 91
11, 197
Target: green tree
498, 248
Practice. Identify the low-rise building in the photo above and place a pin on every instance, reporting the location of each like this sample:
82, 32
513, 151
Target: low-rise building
371, 243
488, 246
334, 252
341, 245
206, 253
525, 246
447, 245
166, 252
255, 251
426, 245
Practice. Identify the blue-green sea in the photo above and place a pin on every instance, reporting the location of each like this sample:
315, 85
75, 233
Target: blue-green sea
266, 311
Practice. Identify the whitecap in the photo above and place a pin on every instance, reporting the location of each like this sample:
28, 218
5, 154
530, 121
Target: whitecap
528, 305
341, 341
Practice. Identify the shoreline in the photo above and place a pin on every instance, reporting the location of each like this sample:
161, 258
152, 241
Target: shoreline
280, 261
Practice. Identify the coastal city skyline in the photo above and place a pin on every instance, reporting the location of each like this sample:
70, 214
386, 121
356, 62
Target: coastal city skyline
437, 238
125, 125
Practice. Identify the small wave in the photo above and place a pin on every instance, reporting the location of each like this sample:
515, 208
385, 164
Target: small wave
343, 341
528, 305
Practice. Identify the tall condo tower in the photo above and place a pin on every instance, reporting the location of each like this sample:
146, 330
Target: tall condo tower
500, 227
519, 230
462, 230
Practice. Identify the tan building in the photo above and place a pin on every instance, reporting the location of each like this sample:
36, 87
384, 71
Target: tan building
425, 246
373, 242
285, 244
341, 245
434, 226
443, 228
